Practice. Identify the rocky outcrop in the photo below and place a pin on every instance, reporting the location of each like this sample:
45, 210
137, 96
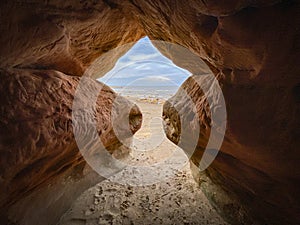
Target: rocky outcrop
252, 50
63, 36
252, 47
37, 139
46, 46
254, 164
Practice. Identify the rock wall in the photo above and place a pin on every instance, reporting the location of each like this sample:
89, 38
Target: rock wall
251, 46
46, 46
62, 35
255, 163
253, 50
37, 141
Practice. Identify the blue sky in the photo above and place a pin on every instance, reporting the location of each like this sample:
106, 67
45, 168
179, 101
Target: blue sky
144, 65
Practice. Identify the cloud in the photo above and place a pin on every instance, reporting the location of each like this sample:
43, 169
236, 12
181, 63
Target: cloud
142, 57
152, 81
143, 66
156, 78
144, 62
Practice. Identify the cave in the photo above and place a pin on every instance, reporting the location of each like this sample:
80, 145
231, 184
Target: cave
48, 49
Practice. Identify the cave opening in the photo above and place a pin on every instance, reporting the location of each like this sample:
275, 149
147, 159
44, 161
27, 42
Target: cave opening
252, 48
148, 79
157, 184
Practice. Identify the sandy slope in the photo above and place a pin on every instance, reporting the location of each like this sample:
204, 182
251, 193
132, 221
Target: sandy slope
156, 188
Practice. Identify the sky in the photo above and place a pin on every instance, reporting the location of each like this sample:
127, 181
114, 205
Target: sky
144, 65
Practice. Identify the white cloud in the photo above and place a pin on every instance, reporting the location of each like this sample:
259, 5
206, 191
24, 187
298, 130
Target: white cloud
143, 62
143, 66
143, 57
157, 78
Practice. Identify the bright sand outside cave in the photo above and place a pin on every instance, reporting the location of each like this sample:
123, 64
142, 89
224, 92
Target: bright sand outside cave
168, 194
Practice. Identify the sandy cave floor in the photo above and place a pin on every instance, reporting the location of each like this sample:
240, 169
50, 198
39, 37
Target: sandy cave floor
156, 188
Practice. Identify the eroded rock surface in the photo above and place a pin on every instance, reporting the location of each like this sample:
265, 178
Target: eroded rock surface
64, 36
251, 46
37, 139
259, 151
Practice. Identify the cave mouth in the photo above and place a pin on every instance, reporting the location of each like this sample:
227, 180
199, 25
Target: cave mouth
251, 46
157, 184
148, 79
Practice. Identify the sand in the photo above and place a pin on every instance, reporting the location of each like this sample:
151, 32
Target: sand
156, 187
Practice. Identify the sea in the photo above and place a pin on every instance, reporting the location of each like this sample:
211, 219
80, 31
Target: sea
146, 92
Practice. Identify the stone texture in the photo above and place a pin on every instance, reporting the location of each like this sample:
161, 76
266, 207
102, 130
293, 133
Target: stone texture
258, 153
60, 35
251, 46
37, 140
253, 52
42, 38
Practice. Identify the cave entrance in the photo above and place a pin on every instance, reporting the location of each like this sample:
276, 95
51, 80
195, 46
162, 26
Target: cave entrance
146, 77
157, 185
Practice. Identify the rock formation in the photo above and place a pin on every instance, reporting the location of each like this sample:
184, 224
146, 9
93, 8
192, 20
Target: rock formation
254, 163
251, 46
37, 139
